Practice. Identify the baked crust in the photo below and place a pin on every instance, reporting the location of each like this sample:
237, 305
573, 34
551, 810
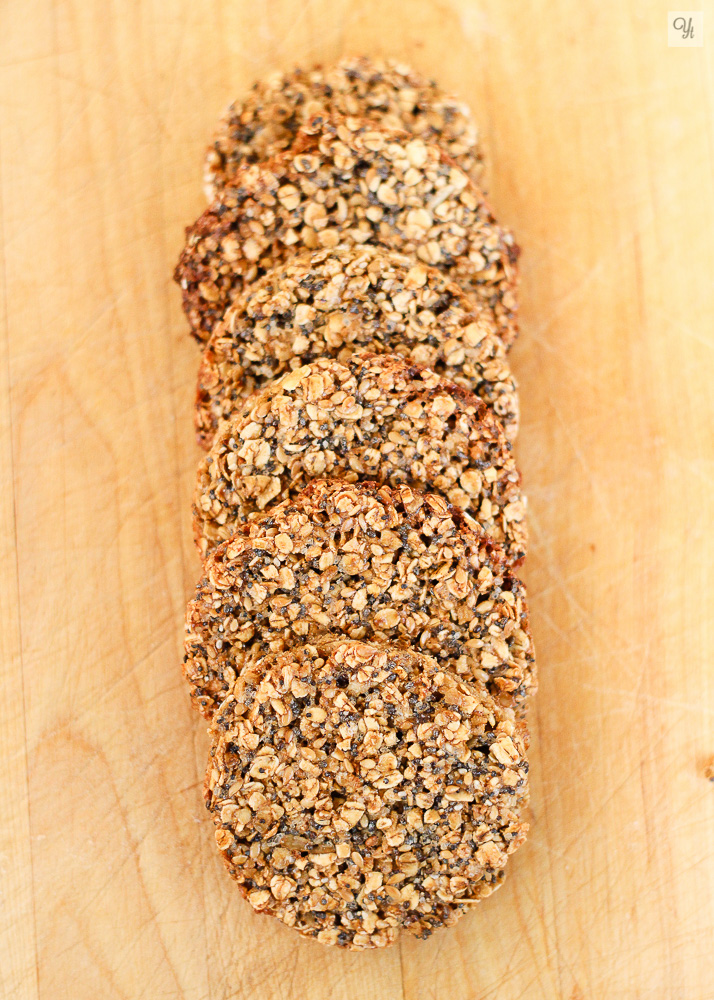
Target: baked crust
371, 417
266, 121
367, 562
328, 303
348, 181
358, 790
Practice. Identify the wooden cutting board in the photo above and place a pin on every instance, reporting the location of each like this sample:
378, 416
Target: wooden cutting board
601, 150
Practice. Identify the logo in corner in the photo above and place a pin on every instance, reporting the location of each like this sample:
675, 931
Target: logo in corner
685, 29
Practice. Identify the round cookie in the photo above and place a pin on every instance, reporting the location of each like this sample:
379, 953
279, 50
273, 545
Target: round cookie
372, 562
348, 182
328, 303
372, 417
392, 95
358, 790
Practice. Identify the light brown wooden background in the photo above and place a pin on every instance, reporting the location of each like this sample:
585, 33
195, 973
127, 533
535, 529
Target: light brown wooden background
602, 152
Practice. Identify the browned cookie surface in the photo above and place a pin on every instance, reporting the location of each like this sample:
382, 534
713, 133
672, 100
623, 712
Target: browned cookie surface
375, 417
328, 303
369, 561
358, 790
393, 95
348, 182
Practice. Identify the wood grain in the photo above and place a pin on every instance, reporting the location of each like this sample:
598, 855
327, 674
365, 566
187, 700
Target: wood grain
601, 149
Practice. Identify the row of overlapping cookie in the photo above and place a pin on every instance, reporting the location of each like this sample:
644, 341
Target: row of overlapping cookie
359, 637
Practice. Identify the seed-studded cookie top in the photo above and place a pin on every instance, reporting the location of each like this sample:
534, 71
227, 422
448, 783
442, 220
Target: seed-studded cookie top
375, 417
347, 182
266, 121
328, 303
367, 561
358, 789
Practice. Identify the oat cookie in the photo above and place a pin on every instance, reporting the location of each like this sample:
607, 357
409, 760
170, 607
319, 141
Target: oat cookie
358, 790
372, 562
372, 417
328, 303
392, 95
348, 182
